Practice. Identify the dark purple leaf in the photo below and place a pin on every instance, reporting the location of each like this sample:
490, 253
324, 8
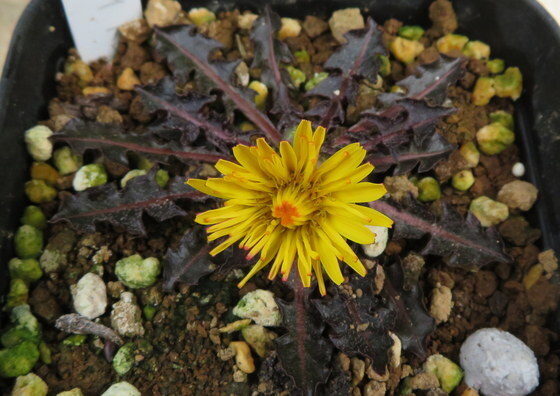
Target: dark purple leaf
355, 60
334, 108
408, 156
405, 119
182, 113
125, 207
303, 352
340, 382
413, 324
359, 57
430, 81
189, 262
462, 243
187, 51
115, 143
360, 325
232, 258
269, 54
328, 87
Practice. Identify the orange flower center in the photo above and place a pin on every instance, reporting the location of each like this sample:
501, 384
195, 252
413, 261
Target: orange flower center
286, 212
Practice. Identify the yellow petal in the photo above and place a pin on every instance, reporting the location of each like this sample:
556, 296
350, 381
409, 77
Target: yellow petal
346, 179
338, 242
224, 213
304, 259
361, 192
247, 159
304, 275
350, 175
226, 167
264, 149
337, 158
256, 268
319, 274
263, 240
224, 245
318, 139
289, 254
328, 258
200, 185
373, 217
303, 136
346, 166
357, 266
236, 225
229, 189
288, 156
352, 230
276, 265
253, 236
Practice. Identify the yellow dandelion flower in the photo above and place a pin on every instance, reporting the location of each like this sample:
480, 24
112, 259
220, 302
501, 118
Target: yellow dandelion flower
287, 208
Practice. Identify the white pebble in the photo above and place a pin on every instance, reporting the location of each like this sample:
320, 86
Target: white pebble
122, 389
378, 247
260, 306
90, 296
499, 364
126, 317
38, 144
518, 169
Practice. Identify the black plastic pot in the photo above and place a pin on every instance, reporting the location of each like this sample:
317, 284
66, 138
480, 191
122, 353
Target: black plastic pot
520, 31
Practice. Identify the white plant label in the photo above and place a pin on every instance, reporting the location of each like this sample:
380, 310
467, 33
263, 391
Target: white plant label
94, 24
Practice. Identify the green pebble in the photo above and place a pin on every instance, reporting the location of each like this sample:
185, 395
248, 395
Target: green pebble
30, 385
315, 80
462, 180
18, 293
488, 211
28, 270
66, 161
162, 177
131, 175
34, 216
149, 312
45, 353
385, 68
136, 272
74, 340
411, 32
302, 56
504, 118
449, 373
40, 192
509, 84
495, 66
28, 242
90, 175
22, 316
19, 359
494, 138
477, 50
470, 153
16, 335
124, 359
428, 189
298, 77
